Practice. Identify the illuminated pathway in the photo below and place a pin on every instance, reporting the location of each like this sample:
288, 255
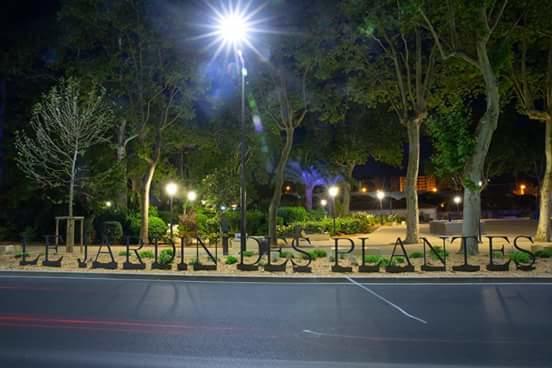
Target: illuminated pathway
93, 322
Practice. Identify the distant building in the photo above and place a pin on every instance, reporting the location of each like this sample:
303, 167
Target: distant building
424, 184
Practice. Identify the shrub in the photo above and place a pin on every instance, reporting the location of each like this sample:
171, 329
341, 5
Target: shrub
443, 253
231, 260
157, 228
248, 253
372, 259
416, 255
21, 254
389, 262
400, 260
146, 254
544, 253
320, 253
520, 257
112, 231
165, 256
123, 253
286, 254
497, 254
293, 214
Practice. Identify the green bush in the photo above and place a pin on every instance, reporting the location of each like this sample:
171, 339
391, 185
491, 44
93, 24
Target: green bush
400, 260
372, 259
498, 255
165, 256
248, 253
112, 231
320, 253
286, 254
520, 257
292, 215
416, 255
544, 253
123, 253
389, 262
157, 228
256, 222
146, 254
443, 253
231, 260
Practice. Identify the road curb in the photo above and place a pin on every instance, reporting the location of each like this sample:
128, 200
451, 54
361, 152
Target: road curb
280, 279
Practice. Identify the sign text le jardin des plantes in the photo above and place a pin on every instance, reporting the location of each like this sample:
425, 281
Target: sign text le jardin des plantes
399, 250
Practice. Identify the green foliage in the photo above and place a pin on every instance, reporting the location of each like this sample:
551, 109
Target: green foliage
389, 262
320, 253
157, 228
21, 254
443, 253
544, 253
256, 222
416, 255
146, 254
400, 260
293, 214
453, 141
248, 253
520, 257
123, 253
286, 254
372, 259
231, 260
113, 231
498, 255
165, 256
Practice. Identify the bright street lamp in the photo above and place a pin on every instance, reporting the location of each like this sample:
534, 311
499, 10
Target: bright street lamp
171, 189
380, 194
457, 200
233, 28
108, 204
191, 196
323, 203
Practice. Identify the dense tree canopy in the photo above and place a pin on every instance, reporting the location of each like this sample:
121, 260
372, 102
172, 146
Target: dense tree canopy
330, 86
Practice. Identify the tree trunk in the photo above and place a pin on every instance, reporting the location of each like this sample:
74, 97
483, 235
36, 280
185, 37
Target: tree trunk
346, 198
145, 201
122, 194
474, 168
70, 230
278, 182
308, 196
543, 228
412, 218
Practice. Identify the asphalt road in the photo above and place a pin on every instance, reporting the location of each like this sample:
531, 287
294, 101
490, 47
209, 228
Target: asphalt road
81, 322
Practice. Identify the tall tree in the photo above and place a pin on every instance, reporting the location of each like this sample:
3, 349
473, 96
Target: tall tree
153, 82
470, 32
531, 76
65, 125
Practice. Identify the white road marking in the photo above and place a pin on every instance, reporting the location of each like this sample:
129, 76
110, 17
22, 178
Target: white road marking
388, 302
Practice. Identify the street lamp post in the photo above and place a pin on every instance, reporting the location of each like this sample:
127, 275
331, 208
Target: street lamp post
171, 189
243, 191
333, 192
